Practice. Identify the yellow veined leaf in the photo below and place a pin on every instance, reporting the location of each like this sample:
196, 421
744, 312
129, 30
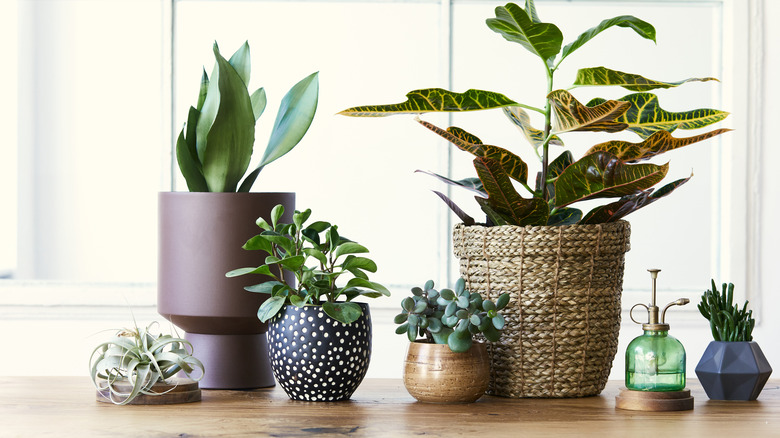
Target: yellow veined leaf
516, 25
504, 199
571, 115
602, 175
595, 76
520, 118
658, 143
629, 204
513, 165
434, 100
645, 115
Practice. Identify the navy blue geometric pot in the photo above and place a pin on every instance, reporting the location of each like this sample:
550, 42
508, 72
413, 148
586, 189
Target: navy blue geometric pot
733, 370
316, 358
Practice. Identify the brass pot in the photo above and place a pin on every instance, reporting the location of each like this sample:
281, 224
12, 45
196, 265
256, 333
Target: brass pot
435, 374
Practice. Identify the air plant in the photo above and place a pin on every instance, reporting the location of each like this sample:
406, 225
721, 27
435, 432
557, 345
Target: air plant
138, 357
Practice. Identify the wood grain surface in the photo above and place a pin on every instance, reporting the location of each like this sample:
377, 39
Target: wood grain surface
66, 406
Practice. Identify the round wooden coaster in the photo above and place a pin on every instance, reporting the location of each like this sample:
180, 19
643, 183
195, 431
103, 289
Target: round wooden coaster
654, 401
179, 391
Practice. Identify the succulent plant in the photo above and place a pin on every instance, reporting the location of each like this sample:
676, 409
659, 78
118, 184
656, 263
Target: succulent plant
449, 316
614, 169
215, 146
291, 247
729, 323
142, 359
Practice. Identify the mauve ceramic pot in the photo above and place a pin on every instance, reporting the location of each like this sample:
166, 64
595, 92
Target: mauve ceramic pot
200, 239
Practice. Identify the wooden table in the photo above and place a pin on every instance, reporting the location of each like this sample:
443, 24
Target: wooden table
66, 406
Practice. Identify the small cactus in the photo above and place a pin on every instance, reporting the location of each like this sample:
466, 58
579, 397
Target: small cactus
450, 317
729, 323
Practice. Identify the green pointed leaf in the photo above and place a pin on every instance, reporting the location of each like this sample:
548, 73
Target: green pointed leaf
658, 143
204, 88
434, 100
504, 199
188, 164
346, 313
530, 9
629, 204
473, 184
565, 216
241, 61
293, 263
571, 115
226, 128
644, 29
602, 175
265, 288
462, 215
513, 165
645, 116
514, 24
258, 243
270, 308
258, 103
360, 263
536, 137
359, 282
264, 270
349, 248
596, 76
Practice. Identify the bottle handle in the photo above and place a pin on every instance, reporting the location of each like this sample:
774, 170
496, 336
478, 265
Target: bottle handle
631, 312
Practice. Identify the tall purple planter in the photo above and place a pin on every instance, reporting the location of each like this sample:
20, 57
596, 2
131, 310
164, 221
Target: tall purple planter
200, 239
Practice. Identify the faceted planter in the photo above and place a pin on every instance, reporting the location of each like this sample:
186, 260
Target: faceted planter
316, 358
200, 239
733, 370
435, 374
563, 319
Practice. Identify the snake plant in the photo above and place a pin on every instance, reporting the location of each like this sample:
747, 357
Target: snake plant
613, 169
728, 322
142, 359
215, 146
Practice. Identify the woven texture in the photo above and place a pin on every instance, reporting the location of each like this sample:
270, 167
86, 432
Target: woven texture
563, 318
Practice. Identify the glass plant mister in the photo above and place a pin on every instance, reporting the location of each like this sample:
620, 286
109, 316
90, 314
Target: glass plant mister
655, 361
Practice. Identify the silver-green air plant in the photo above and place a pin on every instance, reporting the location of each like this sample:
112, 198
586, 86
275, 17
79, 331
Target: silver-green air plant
319, 257
728, 322
142, 359
450, 316
615, 169
215, 146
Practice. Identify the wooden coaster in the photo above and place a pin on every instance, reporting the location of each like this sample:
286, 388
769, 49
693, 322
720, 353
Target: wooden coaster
179, 391
654, 401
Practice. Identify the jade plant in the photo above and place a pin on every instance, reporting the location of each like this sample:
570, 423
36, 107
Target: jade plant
142, 359
215, 146
318, 257
449, 316
728, 322
613, 169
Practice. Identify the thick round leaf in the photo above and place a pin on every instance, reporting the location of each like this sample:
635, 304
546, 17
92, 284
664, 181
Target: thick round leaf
498, 322
420, 307
401, 329
270, 308
345, 313
447, 294
264, 288
459, 342
400, 318
408, 304
502, 301
434, 325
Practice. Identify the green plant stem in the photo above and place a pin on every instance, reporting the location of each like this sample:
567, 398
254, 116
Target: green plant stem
547, 135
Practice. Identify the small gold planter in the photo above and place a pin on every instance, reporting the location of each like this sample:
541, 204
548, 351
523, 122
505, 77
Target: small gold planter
434, 374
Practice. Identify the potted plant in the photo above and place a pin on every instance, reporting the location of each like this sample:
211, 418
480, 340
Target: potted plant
319, 339
563, 268
446, 366
138, 367
200, 231
733, 367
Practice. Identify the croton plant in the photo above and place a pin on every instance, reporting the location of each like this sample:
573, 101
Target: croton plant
614, 169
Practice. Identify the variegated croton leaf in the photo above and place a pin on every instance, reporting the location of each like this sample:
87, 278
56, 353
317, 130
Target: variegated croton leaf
472, 184
467, 220
603, 175
434, 100
513, 165
536, 137
565, 216
504, 199
571, 115
596, 76
629, 204
645, 116
658, 143
515, 24
555, 168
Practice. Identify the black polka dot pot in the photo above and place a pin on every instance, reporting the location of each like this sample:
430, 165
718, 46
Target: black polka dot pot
315, 357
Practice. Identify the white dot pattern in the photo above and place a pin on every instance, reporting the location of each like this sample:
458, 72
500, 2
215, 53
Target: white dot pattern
316, 358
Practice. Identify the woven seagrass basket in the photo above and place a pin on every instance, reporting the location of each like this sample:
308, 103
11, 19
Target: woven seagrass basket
563, 319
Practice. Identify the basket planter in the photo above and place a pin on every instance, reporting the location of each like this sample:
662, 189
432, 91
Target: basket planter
563, 319
733, 370
316, 358
435, 374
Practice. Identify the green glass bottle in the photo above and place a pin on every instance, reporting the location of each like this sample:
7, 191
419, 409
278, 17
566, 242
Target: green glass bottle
655, 361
